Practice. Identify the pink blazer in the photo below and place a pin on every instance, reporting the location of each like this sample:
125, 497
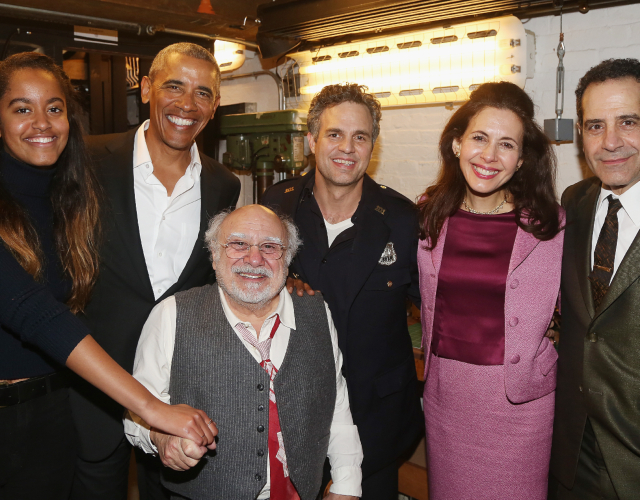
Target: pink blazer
532, 290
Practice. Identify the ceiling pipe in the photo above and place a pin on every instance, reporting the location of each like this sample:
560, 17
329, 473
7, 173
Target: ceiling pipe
152, 30
139, 29
256, 74
65, 18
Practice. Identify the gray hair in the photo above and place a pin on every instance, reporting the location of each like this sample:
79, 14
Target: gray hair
292, 234
189, 50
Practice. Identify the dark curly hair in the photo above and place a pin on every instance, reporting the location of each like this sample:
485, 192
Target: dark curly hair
611, 69
332, 95
532, 186
75, 196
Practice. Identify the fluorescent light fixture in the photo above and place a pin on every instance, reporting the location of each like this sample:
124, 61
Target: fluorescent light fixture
230, 56
440, 65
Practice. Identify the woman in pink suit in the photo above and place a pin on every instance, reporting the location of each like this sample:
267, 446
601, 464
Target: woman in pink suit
489, 263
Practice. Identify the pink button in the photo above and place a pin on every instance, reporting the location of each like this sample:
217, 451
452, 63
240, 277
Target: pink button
515, 359
513, 321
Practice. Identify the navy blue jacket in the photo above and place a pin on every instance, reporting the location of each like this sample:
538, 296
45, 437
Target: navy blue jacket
369, 311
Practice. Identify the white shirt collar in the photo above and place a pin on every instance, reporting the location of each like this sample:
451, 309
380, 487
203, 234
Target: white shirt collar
630, 201
284, 310
141, 155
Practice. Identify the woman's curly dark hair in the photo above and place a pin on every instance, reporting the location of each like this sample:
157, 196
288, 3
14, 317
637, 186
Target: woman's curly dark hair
532, 186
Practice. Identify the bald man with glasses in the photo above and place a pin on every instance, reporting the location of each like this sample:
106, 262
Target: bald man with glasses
264, 364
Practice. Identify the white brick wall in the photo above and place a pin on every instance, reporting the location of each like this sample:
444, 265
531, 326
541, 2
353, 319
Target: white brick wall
262, 90
406, 157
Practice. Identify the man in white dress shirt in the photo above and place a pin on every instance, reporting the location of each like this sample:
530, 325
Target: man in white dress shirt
596, 438
160, 193
279, 410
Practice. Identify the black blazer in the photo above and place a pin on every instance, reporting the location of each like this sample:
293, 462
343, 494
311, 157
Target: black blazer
123, 298
379, 365
599, 354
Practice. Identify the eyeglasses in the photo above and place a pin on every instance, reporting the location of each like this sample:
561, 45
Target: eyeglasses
240, 249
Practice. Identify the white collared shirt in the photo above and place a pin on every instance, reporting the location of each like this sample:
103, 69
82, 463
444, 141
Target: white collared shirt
628, 222
152, 368
168, 225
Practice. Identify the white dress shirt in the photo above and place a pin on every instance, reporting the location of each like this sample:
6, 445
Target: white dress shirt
628, 222
152, 367
168, 225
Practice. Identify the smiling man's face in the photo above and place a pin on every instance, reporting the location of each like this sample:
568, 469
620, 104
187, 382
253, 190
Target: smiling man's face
182, 100
344, 144
611, 132
253, 279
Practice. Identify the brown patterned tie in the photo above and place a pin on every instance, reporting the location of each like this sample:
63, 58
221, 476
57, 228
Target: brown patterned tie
605, 253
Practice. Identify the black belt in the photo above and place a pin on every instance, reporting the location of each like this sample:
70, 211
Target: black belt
21, 392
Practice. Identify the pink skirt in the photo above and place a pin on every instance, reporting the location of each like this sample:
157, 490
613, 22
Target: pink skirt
480, 445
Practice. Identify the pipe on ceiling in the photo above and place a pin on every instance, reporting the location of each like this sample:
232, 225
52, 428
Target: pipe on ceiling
155, 29
139, 29
256, 74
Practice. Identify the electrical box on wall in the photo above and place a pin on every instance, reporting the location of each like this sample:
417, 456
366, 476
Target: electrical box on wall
559, 130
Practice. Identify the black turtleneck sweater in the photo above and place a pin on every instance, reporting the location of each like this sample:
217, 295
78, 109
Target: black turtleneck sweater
37, 330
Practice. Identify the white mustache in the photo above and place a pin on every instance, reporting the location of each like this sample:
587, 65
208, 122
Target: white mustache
248, 269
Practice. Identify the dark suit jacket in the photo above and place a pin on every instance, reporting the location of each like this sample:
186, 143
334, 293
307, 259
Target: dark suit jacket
372, 325
599, 363
122, 298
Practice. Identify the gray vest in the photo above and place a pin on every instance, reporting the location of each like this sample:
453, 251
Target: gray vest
212, 370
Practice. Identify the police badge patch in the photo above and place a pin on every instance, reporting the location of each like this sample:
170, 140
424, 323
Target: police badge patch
389, 255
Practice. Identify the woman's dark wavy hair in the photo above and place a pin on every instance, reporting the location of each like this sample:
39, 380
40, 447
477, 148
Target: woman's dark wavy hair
532, 186
74, 196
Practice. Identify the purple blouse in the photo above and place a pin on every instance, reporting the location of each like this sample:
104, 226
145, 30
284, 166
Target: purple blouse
468, 323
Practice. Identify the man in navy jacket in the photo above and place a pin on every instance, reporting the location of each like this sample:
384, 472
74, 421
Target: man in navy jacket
359, 248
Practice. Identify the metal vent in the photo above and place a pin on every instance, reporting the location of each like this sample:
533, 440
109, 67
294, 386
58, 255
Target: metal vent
405, 93
377, 50
481, 34
351, 53
321, 58
334, 19
444, 90
444, 39
410, 45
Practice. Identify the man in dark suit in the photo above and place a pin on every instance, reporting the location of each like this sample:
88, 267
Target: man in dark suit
596, 438
360, 249
160, 193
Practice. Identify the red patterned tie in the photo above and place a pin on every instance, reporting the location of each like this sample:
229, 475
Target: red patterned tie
281, 486
605, 253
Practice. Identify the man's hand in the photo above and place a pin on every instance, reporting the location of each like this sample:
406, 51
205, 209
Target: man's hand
553, 330
183, 421
176, 452
300, 286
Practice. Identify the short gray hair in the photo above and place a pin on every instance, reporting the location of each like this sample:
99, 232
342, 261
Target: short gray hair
189, 50
292, 235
